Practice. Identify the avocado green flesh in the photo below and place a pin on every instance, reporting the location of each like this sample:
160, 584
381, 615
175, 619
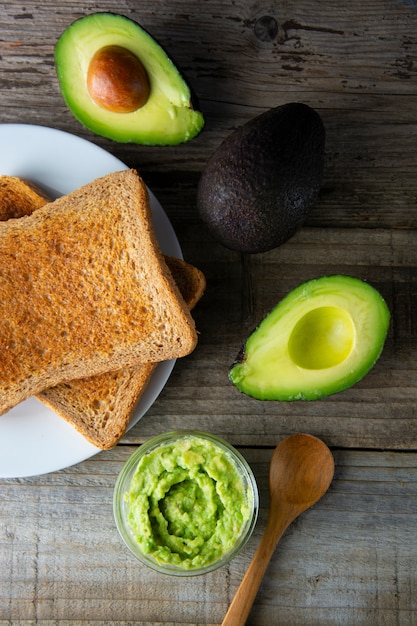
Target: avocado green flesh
167, 118
322, 338
187, 503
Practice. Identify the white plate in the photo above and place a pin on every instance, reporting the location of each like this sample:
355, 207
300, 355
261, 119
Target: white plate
33, 439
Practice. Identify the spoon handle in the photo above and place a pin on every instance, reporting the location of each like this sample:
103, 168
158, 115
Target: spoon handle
241, 605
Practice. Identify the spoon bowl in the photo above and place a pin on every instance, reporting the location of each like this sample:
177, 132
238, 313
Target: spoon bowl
300, 473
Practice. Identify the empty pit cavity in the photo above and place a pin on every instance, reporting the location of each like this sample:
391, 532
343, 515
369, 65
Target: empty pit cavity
322, 338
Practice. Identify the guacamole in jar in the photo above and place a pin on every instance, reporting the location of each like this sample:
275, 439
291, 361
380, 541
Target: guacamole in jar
188, 503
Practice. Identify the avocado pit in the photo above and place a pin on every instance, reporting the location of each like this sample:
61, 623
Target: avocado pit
117, 80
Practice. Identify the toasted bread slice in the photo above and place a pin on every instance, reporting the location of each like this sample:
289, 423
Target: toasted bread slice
99, 407
19, 197
84, 289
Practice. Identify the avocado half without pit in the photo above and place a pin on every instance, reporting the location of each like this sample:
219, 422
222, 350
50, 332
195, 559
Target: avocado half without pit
121, 84
322, 338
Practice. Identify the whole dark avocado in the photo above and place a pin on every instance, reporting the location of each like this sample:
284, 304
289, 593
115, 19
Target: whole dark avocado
257, 188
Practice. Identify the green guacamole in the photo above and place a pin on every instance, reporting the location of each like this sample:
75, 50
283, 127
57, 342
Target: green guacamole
187, 503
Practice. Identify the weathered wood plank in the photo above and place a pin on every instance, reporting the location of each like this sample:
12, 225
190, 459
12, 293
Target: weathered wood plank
379, 411
350, 559
352, 61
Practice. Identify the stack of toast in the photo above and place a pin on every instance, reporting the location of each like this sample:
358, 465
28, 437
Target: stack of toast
89, 303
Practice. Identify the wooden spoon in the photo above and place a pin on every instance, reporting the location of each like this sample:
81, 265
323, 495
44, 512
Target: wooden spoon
300, 473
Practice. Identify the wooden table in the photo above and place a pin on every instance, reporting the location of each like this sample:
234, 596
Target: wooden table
351, 559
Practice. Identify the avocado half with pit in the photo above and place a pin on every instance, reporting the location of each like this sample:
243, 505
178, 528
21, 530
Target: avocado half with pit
120, 83
322, 338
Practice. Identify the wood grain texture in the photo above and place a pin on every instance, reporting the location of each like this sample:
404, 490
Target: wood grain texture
351, 559
353, 61
301, 471
379, 411
348, 560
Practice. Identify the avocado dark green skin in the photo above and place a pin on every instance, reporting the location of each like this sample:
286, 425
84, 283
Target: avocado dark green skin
322, 338
257, 188
169, 116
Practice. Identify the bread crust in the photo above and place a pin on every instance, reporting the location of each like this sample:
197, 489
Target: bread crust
19, 197
85, 289
101, 407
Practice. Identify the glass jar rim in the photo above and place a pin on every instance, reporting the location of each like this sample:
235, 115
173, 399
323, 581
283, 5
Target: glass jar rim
126, 474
